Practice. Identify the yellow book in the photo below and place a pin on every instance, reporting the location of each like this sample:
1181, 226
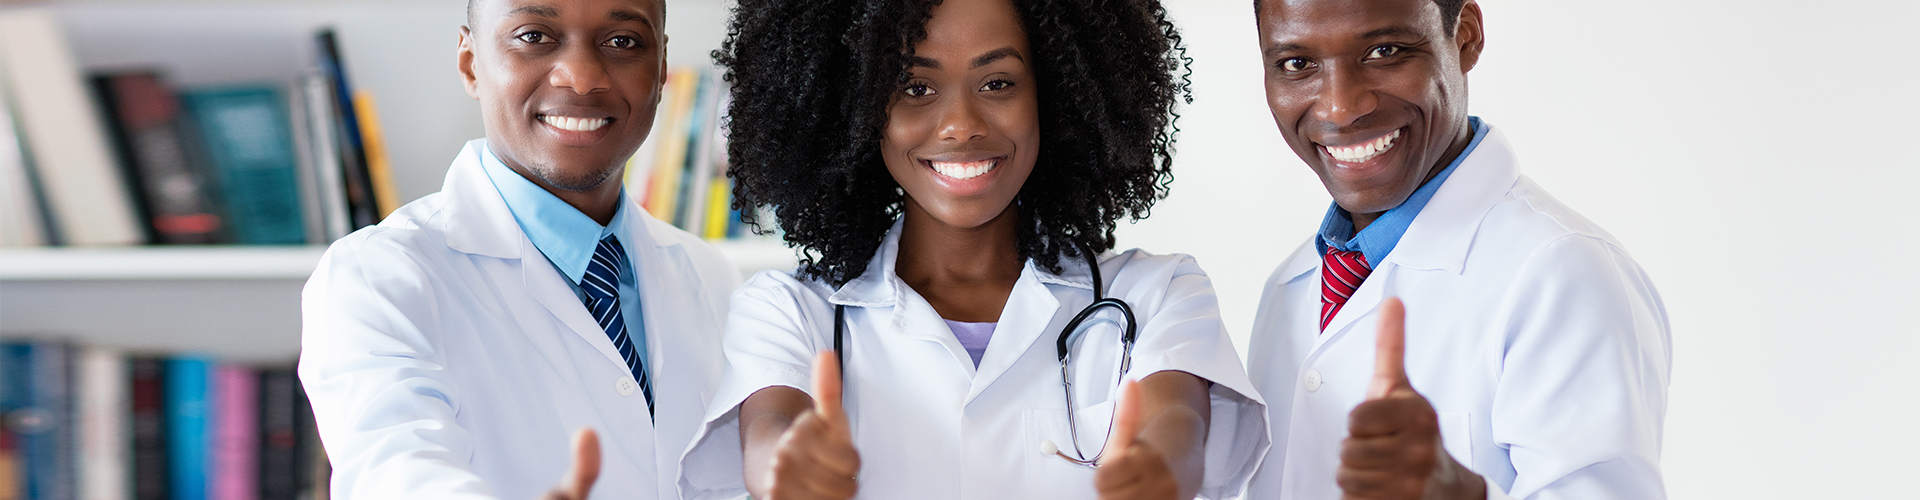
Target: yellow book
379, 168
664, 189
719, 211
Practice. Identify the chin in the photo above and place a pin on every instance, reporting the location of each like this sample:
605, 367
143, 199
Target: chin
572, 179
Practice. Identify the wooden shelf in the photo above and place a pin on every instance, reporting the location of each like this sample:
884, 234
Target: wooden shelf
168, 263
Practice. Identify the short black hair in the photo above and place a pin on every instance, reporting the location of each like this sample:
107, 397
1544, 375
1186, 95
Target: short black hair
1449, 13
811, 80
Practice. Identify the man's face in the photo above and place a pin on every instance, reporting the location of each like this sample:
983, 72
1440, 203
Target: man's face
567, 87
1372, 94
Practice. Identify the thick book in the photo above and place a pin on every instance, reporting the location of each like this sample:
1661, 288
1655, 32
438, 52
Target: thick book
314, 471
249, 139
100, 382
379, 166
148, 408
189, 426
85, 189
10, 480
363, 208
279, 428
42, 379
162, 153
23, 221
235, 470
327, 176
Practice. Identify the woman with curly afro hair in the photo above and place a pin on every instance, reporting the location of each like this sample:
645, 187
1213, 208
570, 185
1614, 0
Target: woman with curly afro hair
952, 171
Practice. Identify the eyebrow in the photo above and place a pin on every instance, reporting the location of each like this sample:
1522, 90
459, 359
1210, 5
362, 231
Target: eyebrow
1391, 31
538, 10
624, 15
983, 60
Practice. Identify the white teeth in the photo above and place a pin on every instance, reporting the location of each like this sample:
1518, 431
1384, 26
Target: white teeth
964, 170
575, 124
1363, 152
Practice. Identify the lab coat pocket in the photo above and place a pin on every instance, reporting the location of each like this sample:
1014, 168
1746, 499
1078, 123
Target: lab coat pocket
1456, 436
1049, 476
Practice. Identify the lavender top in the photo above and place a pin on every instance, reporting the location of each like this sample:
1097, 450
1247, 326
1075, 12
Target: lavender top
973, 336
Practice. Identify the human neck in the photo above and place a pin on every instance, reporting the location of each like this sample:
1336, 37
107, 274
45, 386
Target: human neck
598, 202
965, 273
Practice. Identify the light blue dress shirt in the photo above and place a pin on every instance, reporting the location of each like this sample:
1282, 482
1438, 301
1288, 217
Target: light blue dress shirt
568, 239
1379, 238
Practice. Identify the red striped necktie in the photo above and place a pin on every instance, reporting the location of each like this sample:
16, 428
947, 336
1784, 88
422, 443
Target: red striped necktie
1340, 274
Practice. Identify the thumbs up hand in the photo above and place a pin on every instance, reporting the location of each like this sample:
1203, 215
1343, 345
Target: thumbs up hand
815, 458
586, 468
1393, 450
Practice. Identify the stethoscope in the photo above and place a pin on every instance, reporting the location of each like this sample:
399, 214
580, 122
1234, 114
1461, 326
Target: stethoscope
1061, 352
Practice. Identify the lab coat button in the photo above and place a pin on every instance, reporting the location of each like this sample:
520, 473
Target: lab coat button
625, 386
1311, 381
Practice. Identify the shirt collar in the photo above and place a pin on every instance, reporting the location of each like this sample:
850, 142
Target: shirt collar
878, 286
565, 235
1379, 238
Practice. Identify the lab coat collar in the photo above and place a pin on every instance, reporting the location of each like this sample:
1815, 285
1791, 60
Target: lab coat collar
479, 222
878, 286
1439, 236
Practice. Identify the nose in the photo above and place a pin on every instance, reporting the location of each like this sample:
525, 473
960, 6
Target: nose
1345, 95
580, 70
960, 121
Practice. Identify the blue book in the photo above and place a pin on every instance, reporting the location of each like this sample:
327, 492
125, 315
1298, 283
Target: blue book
249, 137
42, 412
189, 425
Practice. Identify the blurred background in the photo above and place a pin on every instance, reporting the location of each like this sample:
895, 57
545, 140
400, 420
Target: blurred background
1752, 155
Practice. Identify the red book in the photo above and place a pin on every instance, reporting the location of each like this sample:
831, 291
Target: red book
236, 434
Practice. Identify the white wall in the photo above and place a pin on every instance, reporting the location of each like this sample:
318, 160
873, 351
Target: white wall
1759, 160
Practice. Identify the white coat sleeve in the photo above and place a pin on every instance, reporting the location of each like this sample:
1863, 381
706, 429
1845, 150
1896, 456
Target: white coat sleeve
1184, 333
371, 365
1583, 386
773, 329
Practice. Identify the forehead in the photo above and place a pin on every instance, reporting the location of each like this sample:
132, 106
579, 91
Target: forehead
960, 28
1303, 21
487, 12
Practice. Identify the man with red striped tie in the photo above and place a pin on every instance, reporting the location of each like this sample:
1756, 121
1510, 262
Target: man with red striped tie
1531, 356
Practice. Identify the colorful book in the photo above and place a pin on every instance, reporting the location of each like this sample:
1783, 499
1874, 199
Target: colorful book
162, 153
100, 382
235, 470
87, 194
669, 166
190, 417
148, 409
11, 382
313, 467
278, 439
695, 182
43, 417
328, 174
249, 138
362, 207
379, 168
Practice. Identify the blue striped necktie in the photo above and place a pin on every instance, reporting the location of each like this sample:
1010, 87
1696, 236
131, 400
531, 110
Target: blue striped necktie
603, 299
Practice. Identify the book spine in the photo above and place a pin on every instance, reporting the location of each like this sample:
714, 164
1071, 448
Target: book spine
188, 419
312, 467
147, 381
277, 439
671, 164
85, 189
328, 169
693, 197
312, 211
156, 144
13, 386
237, 423
251, 144
45, 423
101, 377
363, 209
22, 214
379, 166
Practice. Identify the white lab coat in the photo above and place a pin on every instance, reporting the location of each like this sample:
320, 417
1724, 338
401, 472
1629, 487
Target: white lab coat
1543, 347
929, 425
446, 358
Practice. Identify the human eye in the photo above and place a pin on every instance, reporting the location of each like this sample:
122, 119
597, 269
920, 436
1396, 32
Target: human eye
997, 84
622, 42
533, 37
1295, 65
1383, 52
917, 90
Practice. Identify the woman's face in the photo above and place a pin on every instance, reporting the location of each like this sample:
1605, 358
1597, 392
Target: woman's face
963, 133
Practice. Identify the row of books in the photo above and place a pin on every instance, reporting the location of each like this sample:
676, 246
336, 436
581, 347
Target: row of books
95, 424
124, 158
680, 173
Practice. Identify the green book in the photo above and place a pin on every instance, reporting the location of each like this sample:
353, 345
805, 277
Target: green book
250, 141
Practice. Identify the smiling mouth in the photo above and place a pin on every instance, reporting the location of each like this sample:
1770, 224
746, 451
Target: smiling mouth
1360, 153
964, 170
575, 124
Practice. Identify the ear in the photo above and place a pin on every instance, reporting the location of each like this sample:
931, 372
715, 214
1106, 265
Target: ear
466, 62
1469, 34
660, 86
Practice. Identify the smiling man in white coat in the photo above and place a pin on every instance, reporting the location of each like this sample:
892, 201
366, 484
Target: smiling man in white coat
1535, 355
450, 351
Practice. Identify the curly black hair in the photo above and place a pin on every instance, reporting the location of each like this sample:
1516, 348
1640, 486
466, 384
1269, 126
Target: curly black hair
811, 80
